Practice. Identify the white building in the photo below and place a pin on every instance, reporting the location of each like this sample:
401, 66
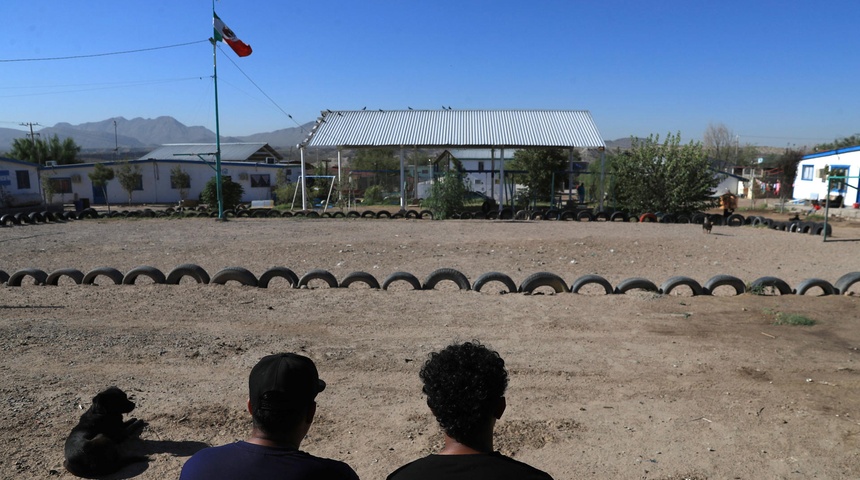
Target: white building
811, 181
19, 184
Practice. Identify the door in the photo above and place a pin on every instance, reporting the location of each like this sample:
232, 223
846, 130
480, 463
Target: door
98, 196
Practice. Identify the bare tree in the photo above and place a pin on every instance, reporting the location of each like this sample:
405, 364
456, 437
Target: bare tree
721, 145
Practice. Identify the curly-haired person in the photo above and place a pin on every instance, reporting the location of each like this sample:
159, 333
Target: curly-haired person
465, 387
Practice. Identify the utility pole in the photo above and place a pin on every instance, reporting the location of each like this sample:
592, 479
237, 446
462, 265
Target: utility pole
115, 142
32, 134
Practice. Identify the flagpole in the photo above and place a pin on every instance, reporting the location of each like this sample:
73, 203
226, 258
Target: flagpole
217, 126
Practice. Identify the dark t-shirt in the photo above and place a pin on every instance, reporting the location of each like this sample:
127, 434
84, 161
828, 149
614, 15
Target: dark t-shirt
468, 467
246, 461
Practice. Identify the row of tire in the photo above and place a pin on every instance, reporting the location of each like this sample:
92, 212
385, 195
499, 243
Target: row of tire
761, 286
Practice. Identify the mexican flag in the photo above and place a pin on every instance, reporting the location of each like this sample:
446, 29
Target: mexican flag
224, 34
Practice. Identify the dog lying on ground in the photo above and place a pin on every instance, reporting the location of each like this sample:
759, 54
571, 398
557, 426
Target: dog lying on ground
94, 445
707, 225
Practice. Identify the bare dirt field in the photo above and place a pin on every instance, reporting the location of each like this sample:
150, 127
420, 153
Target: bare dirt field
634, 386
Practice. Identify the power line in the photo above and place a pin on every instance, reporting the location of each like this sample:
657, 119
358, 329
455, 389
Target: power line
261, 91
7, 60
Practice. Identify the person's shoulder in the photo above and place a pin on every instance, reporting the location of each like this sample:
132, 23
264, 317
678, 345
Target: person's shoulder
523, 467
335, 468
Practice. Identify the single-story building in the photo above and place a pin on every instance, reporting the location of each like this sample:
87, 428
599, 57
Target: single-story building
811, 181
19, 184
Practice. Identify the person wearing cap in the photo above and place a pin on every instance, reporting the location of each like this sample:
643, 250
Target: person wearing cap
465, 387
282, 392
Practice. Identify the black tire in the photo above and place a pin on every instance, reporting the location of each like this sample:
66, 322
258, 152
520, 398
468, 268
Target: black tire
568, 215
683, 219
698, 218
757, 221
286, 214
9, 218
758, 285
259, 214
584, 280
412, 214
543, 279
584, 215
238, 274
522, 215
113, 274
636, 283
362, 277
338, 214
273, 213
618, 216
187, 269
54, 278
39, 277
325, 215
793, 227
441, 274
666, 218
70, 215
717, 219
844, 283
353, 214
23, 218
826, 287
724, 281
537, 215
679, 281
300, 214
818, 229
601, 216
552, 214
425, 214
383, 214
506, 214
243, 213
4, 277
36, 217
397, 215
500, 277
735, 220
404, 277
368, 214
278, 272
153, 273
318, 274
492, 215
454, 216
228, 213
312, 214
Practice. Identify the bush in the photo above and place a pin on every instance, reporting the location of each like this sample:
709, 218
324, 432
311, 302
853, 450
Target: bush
231, 191
285, 193
373, 195
446, 195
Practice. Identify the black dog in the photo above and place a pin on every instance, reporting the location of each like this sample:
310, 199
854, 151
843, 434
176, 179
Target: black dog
93, 447
707, 225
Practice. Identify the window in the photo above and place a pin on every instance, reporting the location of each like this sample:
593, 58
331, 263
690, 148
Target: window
139, 184
480, 166
807, 172
61, 185
260, 180
23, 179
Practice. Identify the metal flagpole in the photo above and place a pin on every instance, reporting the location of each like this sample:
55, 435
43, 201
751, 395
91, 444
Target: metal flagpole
217, 126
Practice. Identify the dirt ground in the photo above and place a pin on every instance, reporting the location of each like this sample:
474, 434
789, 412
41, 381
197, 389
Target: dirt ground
635, 386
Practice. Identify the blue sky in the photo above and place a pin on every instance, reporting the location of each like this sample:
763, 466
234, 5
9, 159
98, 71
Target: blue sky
776, 73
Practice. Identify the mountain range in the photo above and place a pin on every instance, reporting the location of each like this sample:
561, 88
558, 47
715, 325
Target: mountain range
140, 135
146, 133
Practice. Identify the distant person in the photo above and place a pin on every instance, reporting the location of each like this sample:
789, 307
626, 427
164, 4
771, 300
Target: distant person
814, 208
580, 193
281, 403
728, 202
465, 387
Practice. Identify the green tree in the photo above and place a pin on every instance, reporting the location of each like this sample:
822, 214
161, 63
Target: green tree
786, 166
852, 141
129, 177
231, 192
540, 165
100, 176
40, 151
667, 177
180, 180
446, 195
378, 160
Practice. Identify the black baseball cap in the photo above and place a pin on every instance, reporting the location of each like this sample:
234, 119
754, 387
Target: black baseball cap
293, 377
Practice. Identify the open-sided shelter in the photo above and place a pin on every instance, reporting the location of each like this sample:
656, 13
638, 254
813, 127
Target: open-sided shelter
447, 128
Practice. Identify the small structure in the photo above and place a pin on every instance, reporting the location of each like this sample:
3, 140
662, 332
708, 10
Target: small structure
841, 165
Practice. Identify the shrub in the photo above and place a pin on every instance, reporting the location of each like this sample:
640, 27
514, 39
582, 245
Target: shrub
373, 195
285, 193
446, 195
231, 192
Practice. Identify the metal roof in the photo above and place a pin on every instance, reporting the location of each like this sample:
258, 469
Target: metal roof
460, 128
236, 152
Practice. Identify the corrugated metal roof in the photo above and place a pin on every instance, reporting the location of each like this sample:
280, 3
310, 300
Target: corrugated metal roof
236, 152
442, 128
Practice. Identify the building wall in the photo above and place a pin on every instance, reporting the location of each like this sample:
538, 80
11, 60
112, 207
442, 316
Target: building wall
807, 185
19, 183
256, 180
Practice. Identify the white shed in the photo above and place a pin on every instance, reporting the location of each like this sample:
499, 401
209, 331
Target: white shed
811, 182
19, 183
